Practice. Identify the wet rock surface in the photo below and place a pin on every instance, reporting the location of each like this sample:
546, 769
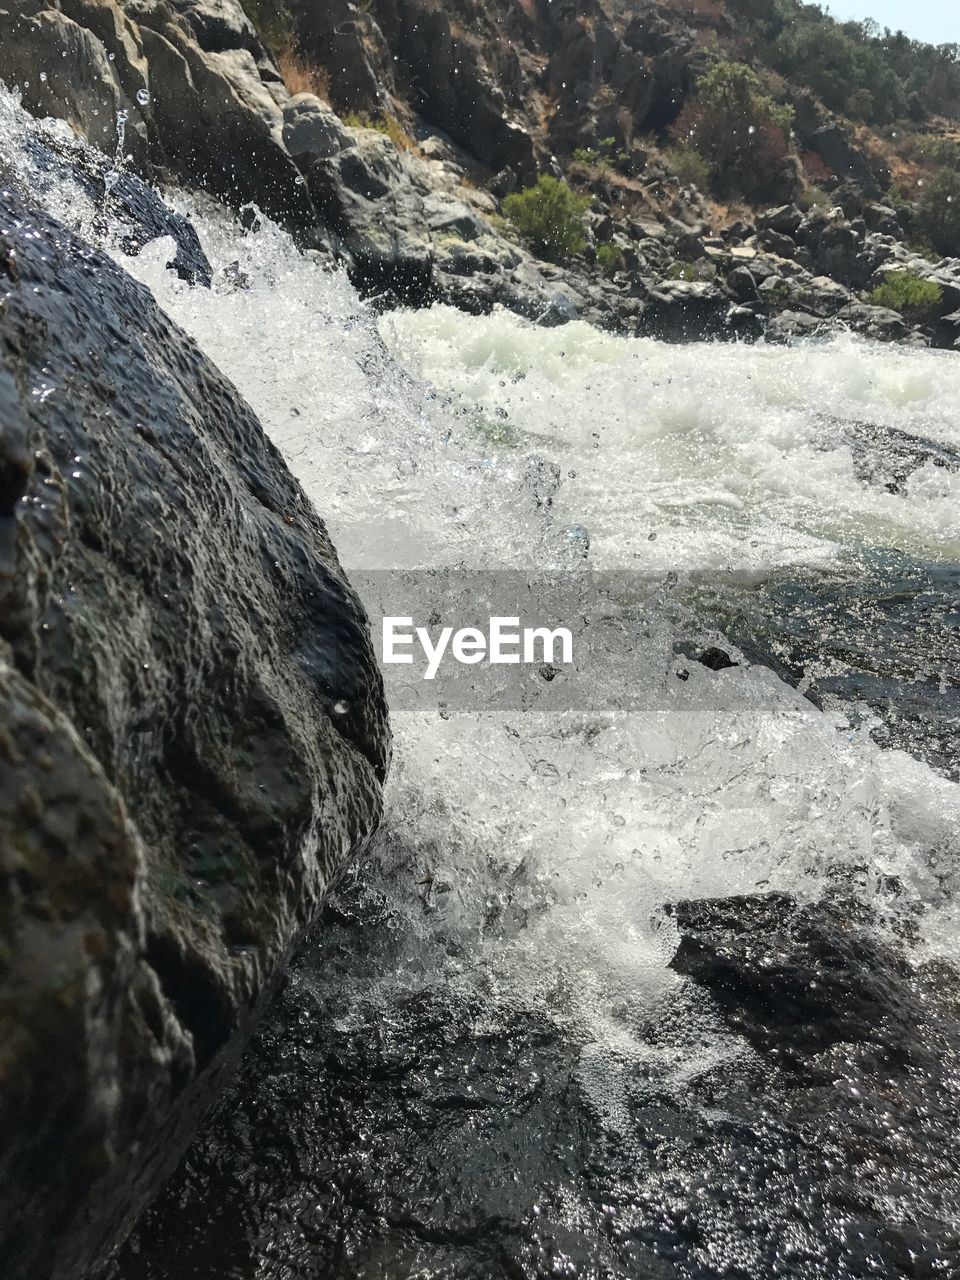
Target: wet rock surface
439, 1131
797, 979
878, 643
192, 738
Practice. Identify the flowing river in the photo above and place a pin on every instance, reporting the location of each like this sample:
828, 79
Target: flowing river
482, 1064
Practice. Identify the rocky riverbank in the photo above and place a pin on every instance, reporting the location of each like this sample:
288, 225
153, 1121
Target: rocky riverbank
188, 93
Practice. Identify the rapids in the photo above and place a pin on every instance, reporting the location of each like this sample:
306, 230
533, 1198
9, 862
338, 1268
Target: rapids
482, 1064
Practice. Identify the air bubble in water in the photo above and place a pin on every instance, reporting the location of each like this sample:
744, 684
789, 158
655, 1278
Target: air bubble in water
143, 97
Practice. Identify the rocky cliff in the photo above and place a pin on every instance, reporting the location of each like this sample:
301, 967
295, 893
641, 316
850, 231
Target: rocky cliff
193, 735
437, 114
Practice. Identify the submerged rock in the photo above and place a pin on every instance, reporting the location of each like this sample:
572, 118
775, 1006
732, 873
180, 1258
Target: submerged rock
193, 739
798, 978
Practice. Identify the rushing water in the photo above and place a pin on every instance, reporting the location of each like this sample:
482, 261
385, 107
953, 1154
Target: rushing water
482, 1065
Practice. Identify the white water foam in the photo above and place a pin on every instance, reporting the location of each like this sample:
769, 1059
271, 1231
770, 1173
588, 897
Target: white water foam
724, 783
550, 845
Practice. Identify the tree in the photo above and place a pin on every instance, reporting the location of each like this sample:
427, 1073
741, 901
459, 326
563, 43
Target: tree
938, 213
739, 130
860, 105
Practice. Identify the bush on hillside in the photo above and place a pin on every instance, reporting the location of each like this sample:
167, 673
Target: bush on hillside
739, 130
860, 105
550, 216
907, 293
609, 258
692, 169
937, 217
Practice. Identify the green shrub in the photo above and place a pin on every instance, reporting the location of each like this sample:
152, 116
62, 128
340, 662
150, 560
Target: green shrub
609, 258
739, 130
682, 271
607, 156
946, 151
938, 213
550, 216
860, 105
907, 293
691, 168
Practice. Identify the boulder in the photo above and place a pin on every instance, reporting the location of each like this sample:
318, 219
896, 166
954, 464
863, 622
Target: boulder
311, 130
220, 25
64, 70
743, 285
879, 323
787, 325
186, 83
785, 220
783, 246
70, 173
684, 311
882, 219
193, 739
795, 978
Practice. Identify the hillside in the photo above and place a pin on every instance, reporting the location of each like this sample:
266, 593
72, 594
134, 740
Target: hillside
670, 168
520, 83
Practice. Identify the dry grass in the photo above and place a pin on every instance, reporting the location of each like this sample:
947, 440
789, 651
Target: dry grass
815, 168
301, 76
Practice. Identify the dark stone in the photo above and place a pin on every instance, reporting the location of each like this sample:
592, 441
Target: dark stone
785, 219
129, 202
715, 659
795, 978
888, 457
742, 285
193, 739
879, 323
777, 243
683, 311
833, 145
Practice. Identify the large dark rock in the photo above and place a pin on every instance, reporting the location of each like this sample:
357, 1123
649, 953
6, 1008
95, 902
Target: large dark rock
193, 739
128, 211
685, 311
832, 143
798, 978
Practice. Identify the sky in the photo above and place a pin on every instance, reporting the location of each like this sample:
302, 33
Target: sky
935, 20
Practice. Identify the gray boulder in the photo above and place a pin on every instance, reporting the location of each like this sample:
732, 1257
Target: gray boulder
193, 740
311, 130
64, 69
879, 323
684, 311
785, 219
